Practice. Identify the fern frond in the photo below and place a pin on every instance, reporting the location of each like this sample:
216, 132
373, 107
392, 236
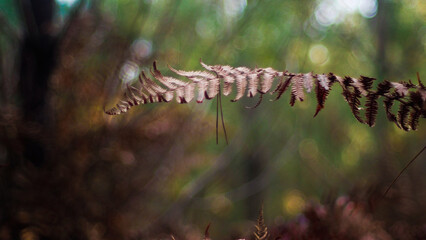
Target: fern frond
282, 87
371, 111
308, 82
410, 97
241, 82
322, 89
403, 112
400, 88
261, 232
388, 109
297, 93
253, 79
414, 118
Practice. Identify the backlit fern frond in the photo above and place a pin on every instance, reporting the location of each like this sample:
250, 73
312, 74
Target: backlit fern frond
208, 84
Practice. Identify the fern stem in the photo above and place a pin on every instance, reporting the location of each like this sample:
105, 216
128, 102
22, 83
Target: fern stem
405, 168
221, 115
217, 119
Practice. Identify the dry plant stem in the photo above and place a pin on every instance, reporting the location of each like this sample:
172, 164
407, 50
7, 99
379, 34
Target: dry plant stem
405, 168
206, 233
223, 122
217, 119
258, 102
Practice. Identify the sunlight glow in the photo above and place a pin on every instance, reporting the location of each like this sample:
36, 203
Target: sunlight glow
293, 202
234, 7
330, 12
66, 2
128, 72
318, 54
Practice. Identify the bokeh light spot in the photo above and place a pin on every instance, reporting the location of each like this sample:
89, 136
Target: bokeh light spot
66, 2
293, 202
330, 12
29, 234
234, 7
141, 49
318, 54
367, 8
128, 72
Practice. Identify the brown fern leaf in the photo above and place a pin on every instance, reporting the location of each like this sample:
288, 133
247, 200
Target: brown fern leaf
358, 85
355, 105
133, 95
423, 96
279, 85
213, 88
268, 76
417, 100
371, 109
189, 92
308, 82
241, 82
282, 87
174, 85
400, 88
338, 79
224, 72
297, 93
253, 79
367, 82
202, 89
352, 95
388, 102
414, 118
383, 88
193, 75
150, 85
208, 83
201, 80
170, 82
323, 81
155, 93
403, 113
418, 104
322, 90
261, 232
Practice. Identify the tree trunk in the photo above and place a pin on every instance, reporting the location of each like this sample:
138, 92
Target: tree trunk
38, 57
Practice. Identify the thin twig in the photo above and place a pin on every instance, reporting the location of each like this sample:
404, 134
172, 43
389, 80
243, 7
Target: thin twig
400, 173
217, 119
418, 79
221, 115
258, 102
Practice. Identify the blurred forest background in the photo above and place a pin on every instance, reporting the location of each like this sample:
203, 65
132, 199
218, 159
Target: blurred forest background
69, 171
